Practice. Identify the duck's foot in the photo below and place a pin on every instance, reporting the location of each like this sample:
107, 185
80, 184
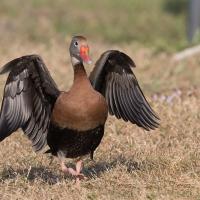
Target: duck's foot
76, 173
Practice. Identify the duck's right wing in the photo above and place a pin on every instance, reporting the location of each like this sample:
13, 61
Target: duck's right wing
28, 99
113, 77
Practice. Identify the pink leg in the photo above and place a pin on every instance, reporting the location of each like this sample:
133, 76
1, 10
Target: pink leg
79, 176
77, 173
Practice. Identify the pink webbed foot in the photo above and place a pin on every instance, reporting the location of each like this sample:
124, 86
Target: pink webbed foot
76, 173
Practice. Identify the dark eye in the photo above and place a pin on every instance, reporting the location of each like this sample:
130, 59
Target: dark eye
76, 44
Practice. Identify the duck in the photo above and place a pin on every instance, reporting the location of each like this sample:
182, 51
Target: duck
71, 123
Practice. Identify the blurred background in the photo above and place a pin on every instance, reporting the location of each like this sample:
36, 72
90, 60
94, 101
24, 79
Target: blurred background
151, 32
158, 24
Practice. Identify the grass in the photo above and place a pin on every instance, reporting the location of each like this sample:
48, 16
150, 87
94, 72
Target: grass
158, 23
130, 163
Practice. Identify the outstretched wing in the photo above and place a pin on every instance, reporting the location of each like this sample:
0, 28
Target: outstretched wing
112, 76
29, 96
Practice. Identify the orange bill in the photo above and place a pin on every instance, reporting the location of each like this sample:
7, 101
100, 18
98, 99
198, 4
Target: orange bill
84, 53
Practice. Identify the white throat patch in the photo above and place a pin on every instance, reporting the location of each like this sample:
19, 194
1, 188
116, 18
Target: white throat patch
75, 61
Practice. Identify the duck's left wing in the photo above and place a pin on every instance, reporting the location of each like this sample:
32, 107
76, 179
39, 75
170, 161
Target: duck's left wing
113, 77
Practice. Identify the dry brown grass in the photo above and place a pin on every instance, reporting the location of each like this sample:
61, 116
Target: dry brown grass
130, 163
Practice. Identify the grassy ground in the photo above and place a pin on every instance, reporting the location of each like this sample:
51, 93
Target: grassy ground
130, 163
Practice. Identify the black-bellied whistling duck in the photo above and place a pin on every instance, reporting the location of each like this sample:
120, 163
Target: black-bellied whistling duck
72, 123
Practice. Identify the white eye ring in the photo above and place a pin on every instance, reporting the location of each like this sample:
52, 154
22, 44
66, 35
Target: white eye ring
76, 44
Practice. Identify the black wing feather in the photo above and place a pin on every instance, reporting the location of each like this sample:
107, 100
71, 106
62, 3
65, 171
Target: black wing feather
113, 77
29, 96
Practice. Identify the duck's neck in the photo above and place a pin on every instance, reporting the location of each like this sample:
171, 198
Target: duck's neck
79, 71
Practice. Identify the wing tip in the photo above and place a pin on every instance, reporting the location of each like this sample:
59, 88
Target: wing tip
127, 59
8, 66
153, 125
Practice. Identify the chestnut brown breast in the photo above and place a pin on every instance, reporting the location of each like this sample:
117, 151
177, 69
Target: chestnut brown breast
82, 108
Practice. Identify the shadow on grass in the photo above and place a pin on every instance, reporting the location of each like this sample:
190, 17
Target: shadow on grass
99, 168
31, 174
51, 178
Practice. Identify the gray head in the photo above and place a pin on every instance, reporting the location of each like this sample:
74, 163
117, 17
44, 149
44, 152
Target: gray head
79, 49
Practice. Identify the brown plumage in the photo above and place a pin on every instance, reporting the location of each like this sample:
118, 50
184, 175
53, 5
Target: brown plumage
81, 108
72, 123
